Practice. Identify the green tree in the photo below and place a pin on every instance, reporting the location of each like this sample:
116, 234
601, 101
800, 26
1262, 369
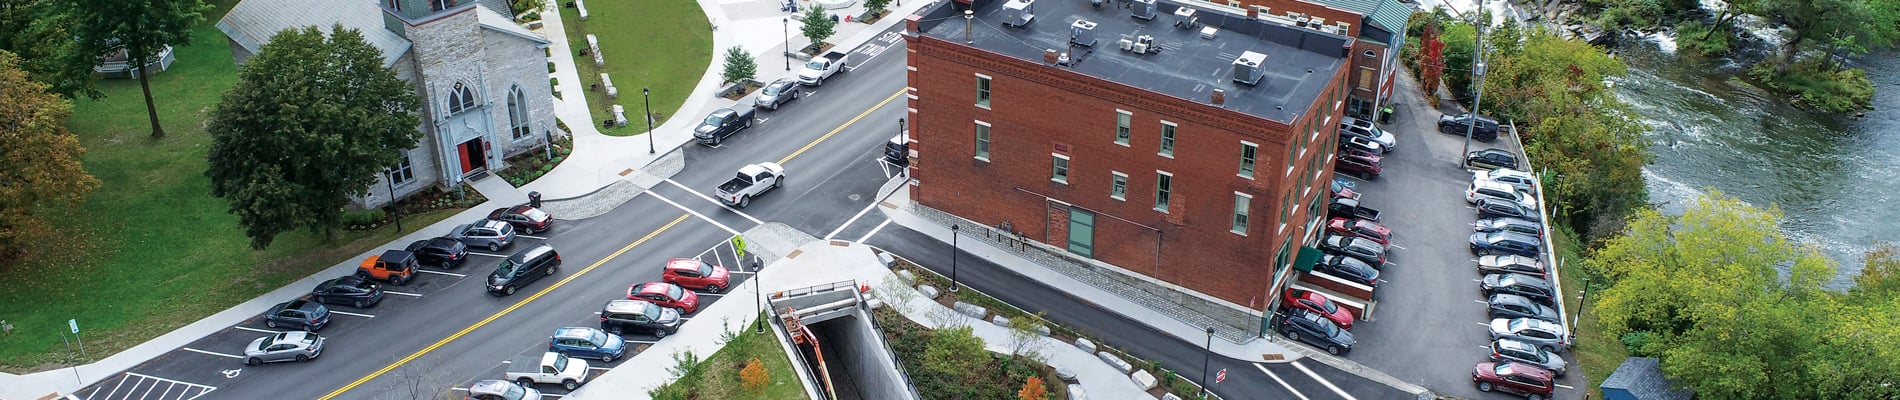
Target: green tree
818, 26
309, 125
1880, 278
876, 6
39, 159
739, 65
40, 33
140, 27
1827, 21
956, 353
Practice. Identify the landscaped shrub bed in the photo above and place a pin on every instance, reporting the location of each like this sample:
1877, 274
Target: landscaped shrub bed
530, 165
951, 363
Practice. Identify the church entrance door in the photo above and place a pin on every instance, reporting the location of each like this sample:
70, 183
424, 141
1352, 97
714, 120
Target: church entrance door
473, 154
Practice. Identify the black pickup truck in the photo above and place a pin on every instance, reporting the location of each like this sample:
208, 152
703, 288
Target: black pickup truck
722, 123
1350, 208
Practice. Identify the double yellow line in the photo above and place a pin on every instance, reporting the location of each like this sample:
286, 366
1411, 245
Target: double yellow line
603, 261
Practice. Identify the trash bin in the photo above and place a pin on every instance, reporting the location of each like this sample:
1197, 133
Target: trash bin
1385, 115
534, 199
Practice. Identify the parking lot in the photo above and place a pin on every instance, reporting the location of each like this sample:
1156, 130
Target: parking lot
1428, 322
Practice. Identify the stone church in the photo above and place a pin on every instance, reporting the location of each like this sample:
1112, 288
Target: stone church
483, 78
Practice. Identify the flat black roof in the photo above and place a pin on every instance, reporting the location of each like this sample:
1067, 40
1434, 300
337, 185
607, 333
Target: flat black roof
1299, 63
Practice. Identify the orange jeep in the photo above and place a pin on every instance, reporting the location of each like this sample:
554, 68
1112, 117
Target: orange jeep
395, 266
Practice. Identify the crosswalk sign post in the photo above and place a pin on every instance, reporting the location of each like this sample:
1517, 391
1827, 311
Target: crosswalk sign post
738, 245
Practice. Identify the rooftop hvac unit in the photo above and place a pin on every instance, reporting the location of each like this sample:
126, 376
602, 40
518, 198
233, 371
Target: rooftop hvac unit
1184, 17
1017, 13
1144, 9
1250, 67
1082, 33
1145, 44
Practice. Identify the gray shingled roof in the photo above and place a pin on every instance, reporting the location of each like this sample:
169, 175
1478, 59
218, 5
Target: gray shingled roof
1643, 377
252, 22
1389, 15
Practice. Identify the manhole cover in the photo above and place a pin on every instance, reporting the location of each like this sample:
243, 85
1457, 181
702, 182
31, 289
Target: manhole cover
855, 197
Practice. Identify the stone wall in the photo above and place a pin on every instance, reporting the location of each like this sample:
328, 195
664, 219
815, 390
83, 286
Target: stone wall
515, 63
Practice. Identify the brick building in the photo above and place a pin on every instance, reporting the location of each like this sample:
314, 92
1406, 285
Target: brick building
1160, 163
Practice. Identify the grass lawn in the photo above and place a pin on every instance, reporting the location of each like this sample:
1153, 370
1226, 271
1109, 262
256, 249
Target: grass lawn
1598, 354
717, 377
665, 45
152, 250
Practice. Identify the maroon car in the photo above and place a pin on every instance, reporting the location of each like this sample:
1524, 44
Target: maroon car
1520, 379
666, 295
696, 274
526, 219
1361, 228
1362, 164
1318, 304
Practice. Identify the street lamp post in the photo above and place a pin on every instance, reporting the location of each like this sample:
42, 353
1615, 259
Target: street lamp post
788, 43
646, 96
1205, 359
953, 257
394, 211
1477, 74
758, 295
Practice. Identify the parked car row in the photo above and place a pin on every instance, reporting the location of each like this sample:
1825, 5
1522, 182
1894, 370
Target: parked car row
1525, 328
1353, 249
1362, 148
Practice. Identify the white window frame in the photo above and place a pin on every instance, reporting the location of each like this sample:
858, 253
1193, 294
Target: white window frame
1164, 196
1243, 213
1120, 183
1124, 127
985, 91
985, 141
402, 173
1060, 168
1169, 131
1249, 166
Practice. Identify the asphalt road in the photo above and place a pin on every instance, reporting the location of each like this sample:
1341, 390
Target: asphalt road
446, 331
1428, 326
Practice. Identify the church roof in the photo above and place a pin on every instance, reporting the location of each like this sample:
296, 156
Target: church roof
252, 22
495, 21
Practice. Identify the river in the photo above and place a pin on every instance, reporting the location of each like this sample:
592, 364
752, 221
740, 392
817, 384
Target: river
1834, 178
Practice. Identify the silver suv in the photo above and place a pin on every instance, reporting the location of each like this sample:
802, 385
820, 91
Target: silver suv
1546, 335
1363, 128
1484, 189
486, 234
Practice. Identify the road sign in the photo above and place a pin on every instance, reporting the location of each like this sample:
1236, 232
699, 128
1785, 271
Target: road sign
738, 246
1222, 376
75, 324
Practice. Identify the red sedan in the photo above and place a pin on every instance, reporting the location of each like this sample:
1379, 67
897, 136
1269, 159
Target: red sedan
526, 219
696, 274
1520, 379
1318, 304
1360, 228
666, 295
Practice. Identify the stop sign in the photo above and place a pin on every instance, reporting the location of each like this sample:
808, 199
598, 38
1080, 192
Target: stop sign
1222, 376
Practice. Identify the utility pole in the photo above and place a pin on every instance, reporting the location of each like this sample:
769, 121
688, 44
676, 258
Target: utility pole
1477, 74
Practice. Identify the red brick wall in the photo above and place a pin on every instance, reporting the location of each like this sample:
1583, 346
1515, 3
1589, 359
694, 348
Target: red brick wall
1037, 110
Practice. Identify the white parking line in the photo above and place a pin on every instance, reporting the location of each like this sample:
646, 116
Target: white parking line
1276, 378
402, 293
1482, 302
487, 255
246, 328
740, 272
710, 199
694, 213
211, 353
442, 273
710, 294
352, 314
185, 394
867, 236
854, 218
533, 237
1323, 381
1566, 387
599, 369
639, 341
1485, 324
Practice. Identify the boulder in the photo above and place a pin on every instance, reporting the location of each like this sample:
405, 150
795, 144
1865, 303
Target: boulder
1116, 362
1075, 392
906, 276
888, 260
929, 292
1066, 374
1042, 329
1143, 379
1000, 321
1085, 345
972, 310
1170, 396
875, 303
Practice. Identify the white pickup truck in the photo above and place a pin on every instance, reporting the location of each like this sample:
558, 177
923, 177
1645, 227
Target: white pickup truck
549, 368
821, 67
753, 180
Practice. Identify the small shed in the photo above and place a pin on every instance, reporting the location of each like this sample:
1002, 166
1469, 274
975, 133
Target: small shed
1641, 378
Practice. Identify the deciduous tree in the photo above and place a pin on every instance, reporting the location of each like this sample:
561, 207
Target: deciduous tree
1033, 390
39, 160
142, 28
309, 125
818, 25
739, 65
40, 32
754, 376
956, 352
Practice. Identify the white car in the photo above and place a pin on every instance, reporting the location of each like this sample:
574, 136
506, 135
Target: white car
1363, 128
286, 346
496, 389
1522, 180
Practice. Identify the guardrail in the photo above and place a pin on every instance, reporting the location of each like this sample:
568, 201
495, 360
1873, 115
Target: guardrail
1549, 256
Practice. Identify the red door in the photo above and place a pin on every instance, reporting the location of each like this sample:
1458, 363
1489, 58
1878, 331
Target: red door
463, 150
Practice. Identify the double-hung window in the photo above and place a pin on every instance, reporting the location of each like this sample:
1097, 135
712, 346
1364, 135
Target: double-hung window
1241, 204
1167, 139
1060, 174
1248, 153
982, 141
1119, 189
1164, 183
1123, 122
983, 91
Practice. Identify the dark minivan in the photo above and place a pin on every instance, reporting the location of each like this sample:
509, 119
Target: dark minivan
523, 268
897, 151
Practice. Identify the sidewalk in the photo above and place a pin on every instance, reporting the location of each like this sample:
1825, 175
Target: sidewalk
822, 262
598, 161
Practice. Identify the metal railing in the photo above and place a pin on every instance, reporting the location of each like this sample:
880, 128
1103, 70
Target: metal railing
1549, 256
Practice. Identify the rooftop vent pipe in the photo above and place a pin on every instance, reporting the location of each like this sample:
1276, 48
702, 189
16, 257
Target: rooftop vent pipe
969, 21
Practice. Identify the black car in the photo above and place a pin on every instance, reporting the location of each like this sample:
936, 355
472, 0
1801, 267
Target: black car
352, 290
1372, 253
623, 316
1505, 243
1505, 305
1486, 131
1488, 159
523, 268
1312, 328
1499, 208
303, 314
1347, 268
442, 252
1523, 285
